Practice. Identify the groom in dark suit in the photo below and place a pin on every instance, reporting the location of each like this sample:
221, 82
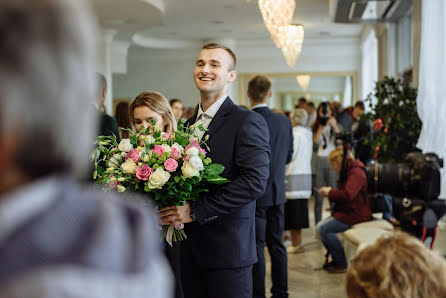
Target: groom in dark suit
270, 207
218, 255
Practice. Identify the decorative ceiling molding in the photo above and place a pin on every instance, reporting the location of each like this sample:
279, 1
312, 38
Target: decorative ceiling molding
163, 43
129, 16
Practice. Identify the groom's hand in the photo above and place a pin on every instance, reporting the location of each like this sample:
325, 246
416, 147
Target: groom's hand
176, 215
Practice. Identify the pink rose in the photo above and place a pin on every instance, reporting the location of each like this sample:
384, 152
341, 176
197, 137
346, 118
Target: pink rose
134, 155
143, 172
158, 150
194, 143
202, 151
115, 183
168, 136
170, 165
175, 153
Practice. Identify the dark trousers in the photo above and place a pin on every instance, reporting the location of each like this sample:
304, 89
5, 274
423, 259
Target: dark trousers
269, 230
201, 282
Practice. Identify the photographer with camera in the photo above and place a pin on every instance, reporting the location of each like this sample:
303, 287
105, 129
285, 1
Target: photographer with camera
351, 207
324, 138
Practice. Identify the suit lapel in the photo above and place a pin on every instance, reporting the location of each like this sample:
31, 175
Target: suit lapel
219, 117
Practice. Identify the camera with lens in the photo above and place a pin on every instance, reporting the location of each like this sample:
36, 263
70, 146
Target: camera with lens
323, 120
414, 186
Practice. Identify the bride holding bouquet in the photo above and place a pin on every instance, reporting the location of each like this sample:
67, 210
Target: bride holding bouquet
148, 108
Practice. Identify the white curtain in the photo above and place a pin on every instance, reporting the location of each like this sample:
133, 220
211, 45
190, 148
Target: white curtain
347, 100
431, 99
369, 65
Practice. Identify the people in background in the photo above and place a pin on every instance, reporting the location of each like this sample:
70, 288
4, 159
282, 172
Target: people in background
324, 137
312, 114
301, 104
177, 108
298, 180
189, 112
107, 124
351, 206
123, 119
337, 109
349, 118
269, 222
396, 266
58, 237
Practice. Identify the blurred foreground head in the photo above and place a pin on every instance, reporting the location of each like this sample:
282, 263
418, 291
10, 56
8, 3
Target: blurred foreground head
47, 82
396, 266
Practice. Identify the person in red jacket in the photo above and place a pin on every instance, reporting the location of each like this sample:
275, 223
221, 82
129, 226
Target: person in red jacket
351, 207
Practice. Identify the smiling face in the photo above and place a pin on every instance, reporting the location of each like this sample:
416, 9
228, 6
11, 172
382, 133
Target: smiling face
143, 115
213, 72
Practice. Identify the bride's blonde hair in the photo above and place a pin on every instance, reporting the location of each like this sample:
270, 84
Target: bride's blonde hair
157, 103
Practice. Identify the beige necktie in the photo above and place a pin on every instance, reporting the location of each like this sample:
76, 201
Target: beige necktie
202, 120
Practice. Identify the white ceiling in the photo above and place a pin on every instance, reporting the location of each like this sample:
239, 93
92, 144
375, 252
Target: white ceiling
180, 23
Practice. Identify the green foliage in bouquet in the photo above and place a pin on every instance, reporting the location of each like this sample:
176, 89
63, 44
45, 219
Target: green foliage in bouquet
396, 125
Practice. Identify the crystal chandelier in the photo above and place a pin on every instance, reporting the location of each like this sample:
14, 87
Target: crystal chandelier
303, 81
291, 38
276, 15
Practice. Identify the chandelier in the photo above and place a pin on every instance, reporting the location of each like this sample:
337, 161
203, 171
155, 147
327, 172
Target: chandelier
277, 14
303, 81
291, 39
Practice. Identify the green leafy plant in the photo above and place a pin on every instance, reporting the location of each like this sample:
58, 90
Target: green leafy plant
396, 125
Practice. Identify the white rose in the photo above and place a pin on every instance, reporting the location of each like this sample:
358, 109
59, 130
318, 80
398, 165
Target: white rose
178, 146
149, 139
166, 148
192, 151
129, 166
189, 170
125, 145
114, 161
196, 162
158, 179
147, 156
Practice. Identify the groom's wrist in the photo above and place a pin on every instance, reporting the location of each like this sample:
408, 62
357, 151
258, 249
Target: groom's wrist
192, 214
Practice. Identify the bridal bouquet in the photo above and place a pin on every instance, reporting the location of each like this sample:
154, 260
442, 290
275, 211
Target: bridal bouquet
173, 168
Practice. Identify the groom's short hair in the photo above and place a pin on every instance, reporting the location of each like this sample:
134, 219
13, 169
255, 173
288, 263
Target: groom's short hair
214, 45
258, 88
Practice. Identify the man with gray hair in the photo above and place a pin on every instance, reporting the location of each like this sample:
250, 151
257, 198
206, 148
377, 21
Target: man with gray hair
59, 238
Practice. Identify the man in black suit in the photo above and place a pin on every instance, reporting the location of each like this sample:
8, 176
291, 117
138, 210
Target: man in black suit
219, 252
107, 124
270, 207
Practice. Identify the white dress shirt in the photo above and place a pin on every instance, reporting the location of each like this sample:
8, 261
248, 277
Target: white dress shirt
205, 118
262, 105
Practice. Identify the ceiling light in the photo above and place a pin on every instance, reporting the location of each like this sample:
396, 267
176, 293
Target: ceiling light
291, 40
303, 81
276, 14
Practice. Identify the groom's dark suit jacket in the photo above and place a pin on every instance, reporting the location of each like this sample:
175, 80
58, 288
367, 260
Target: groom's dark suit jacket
224, 234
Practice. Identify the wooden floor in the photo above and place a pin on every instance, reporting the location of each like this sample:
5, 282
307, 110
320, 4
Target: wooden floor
306, 279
